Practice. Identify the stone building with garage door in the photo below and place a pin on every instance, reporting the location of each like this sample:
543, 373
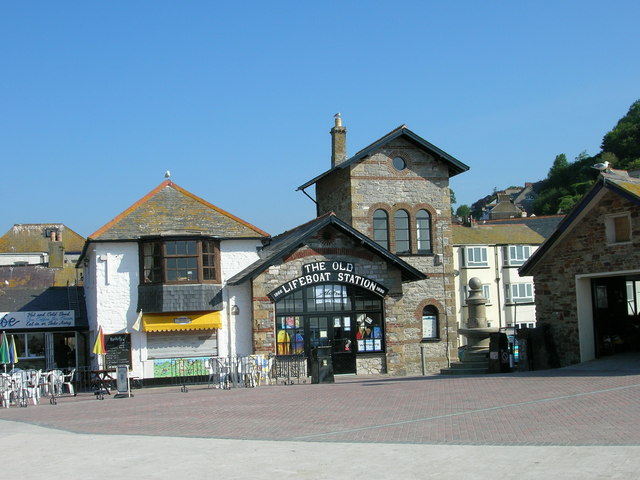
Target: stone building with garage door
587, 273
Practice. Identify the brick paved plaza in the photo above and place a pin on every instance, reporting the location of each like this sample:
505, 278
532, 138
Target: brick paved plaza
573, 406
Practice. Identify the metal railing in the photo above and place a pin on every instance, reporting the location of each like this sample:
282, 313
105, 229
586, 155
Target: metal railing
290, 369
227, 372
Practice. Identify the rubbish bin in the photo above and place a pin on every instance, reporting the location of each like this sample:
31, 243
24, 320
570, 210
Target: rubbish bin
321, 365
498, 353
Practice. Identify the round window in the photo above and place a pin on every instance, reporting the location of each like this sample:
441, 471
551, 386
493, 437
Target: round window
399, 163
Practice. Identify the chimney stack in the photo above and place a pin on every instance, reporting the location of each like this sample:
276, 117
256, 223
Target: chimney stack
338, 142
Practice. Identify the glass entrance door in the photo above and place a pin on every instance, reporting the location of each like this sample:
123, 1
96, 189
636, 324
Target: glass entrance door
344, 353
346, 318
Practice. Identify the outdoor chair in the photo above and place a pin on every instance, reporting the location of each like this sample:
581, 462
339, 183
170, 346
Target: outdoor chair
67, 381
18, 380
5, 390
263, 369
247, 372
56, 379
218, 368
31, 385
44, 384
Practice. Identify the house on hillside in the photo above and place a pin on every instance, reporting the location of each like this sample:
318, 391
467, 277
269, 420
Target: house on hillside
509, 203
156, 282
587, 273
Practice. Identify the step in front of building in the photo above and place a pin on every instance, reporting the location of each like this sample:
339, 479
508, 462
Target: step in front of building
466, 368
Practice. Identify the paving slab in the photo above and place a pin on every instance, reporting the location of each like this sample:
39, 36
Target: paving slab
578, 422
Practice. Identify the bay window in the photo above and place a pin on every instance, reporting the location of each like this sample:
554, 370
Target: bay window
475, 257
519, 292
516, 255
180, 261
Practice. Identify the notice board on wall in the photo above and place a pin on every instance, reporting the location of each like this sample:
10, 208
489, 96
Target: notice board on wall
118, 349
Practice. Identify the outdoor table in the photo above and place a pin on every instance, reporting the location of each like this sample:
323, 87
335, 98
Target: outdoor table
103, 381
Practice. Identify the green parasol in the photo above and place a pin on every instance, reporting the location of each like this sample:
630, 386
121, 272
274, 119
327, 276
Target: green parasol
4, 350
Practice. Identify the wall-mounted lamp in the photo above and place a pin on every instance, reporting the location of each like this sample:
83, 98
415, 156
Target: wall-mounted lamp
235, 310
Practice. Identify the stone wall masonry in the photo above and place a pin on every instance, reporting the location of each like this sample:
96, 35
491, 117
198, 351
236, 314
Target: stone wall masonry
371, 365
372, 183
583, 252
376, 269
333, 194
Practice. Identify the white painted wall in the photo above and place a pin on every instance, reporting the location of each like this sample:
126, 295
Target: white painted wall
111, 290
112, 276
235, 256
37, 258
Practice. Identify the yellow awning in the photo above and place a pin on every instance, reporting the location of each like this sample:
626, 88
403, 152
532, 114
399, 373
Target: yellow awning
175, 322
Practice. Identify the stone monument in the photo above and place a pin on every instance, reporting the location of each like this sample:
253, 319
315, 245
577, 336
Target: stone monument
476, 330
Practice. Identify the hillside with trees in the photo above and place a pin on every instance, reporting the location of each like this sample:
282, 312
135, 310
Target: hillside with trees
567, 181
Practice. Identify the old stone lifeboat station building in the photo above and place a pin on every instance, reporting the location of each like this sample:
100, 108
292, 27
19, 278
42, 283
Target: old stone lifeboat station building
371, 277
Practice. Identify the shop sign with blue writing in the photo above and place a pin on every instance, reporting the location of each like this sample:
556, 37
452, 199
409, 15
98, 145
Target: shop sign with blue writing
328, 272
40, 319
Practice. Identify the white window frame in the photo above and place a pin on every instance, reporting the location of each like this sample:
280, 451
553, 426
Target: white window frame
476, 257
430, 324
514, 292
516, 255
610, 228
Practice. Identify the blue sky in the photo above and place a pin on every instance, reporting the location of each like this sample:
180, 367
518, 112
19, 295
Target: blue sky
99, 99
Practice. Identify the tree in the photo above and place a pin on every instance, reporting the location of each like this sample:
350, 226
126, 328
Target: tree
624, 140
463, 211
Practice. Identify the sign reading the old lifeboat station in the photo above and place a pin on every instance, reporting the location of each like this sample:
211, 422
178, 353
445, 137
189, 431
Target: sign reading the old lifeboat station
328, 272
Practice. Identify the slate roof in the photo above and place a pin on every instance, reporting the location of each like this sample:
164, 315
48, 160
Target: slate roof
455, 165
544, 225
30, 237
170, 209
616, 181
495, 235
290, 240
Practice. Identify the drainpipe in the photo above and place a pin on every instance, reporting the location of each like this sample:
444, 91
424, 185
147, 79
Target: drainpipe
231, 323
497, 268
444, 291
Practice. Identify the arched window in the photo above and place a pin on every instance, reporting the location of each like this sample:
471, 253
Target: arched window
381, 228
423, 231
401, 229
430, 327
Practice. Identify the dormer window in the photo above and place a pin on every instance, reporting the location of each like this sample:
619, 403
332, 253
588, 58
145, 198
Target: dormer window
180, 261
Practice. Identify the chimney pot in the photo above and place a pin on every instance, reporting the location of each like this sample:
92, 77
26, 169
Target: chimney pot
338, 142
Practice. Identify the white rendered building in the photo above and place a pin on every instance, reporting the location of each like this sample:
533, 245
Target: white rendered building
155, 281
493, 254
